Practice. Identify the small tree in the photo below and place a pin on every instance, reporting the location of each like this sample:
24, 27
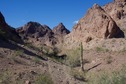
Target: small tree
81, 57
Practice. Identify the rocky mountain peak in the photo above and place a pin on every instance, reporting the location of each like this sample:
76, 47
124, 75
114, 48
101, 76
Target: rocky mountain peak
95, 6
2, 19
7, 32
119, 0
31, 23
34, 29
96, 24
60, 29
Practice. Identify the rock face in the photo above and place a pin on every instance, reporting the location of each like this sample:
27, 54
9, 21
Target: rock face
42, 34
98, 24
117, 11
7, 32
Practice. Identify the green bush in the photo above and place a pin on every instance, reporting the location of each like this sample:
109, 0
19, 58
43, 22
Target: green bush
17, 53
37, 60
44, 79
79, 75
73, 58
101, 49
118, 77
5, 77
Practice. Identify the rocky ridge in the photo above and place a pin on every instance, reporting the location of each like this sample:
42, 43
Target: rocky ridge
42, 34
99, 24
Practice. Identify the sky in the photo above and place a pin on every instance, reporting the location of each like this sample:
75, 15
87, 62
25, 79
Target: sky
48, 12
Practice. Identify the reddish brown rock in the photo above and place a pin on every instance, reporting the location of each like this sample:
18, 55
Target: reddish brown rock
61, 30
117, 11
42, 34
34, 30
120, 0
98, 24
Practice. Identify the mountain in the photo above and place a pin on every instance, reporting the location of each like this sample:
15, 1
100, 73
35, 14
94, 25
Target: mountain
56, 56
96, 24
41, 34
34, 29
36, 33
7, 32
60, 31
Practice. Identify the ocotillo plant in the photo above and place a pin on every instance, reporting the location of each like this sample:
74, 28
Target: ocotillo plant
81, 57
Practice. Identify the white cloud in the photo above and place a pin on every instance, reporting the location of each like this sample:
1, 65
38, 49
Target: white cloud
75, 22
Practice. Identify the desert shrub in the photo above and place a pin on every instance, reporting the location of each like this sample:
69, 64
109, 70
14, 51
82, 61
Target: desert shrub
44, 79
73, 58
79, 75
73, 61
116, 77
37, 60
109, 60
5, 77
98, 49
55, 54
101, 49
29, 45
18, 52
3, 35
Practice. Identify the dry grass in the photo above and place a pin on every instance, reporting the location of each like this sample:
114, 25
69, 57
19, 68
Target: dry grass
116, 77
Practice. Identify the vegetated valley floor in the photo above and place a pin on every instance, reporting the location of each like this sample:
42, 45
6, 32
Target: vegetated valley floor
22, 65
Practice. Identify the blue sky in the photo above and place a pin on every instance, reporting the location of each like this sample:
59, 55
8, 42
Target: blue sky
49, 12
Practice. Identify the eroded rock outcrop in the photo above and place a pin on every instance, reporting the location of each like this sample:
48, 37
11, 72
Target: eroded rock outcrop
98, 24
117, 11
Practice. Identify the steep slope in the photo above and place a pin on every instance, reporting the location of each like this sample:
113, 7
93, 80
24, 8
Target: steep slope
117, 10
7, 32
96, 24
